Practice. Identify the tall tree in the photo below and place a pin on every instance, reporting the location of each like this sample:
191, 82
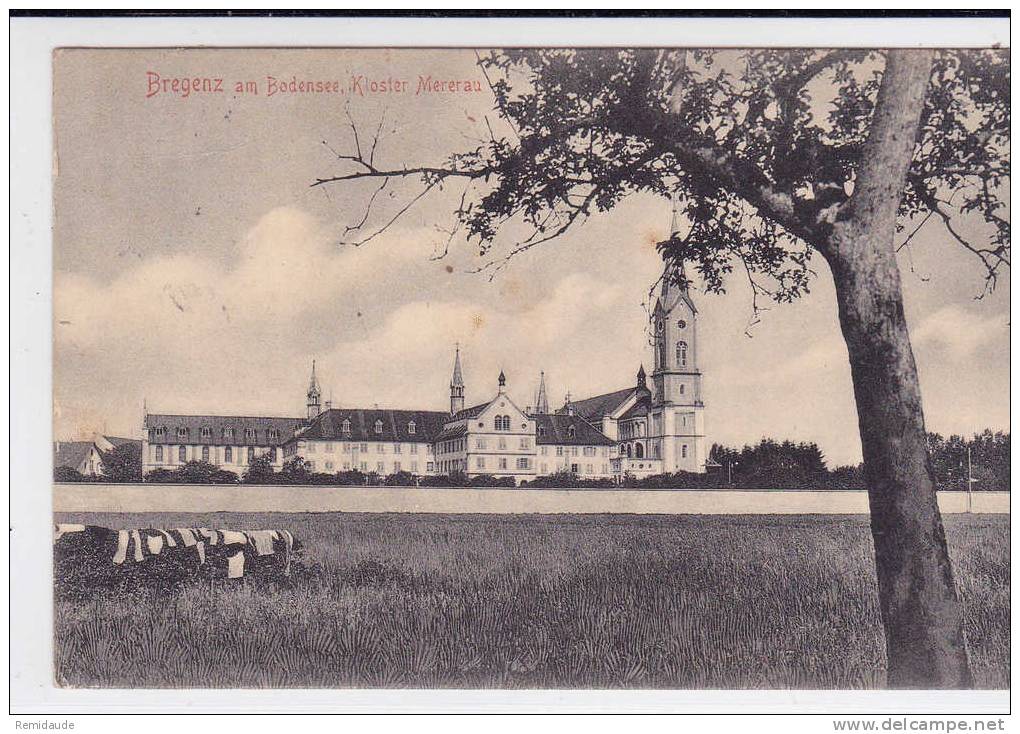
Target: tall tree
772, 156
123, 463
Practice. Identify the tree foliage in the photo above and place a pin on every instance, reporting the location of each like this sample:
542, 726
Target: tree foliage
758, 149
260, 470
123, 463
989, 461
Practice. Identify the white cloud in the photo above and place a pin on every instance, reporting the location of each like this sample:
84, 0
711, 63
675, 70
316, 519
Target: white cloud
190, 333
959, 332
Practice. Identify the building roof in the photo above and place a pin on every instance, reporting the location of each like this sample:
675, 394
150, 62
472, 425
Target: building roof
638, 409
454, 432
329, 425
600, 405
285, 429
70, 453
118, 441
468, 412
554, 428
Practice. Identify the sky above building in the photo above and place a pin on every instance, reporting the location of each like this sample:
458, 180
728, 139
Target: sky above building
197, 270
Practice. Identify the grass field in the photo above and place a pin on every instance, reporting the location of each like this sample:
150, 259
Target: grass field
531, 602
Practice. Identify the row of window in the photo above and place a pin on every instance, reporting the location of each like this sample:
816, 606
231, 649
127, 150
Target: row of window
637, 451
412, 427
454, 444
523, 462
380, 467
205, 453
449, 465
311, 447
575, 450
482, 444
227, 433
543, 468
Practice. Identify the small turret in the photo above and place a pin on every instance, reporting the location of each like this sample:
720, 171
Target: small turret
502, 382
641, 377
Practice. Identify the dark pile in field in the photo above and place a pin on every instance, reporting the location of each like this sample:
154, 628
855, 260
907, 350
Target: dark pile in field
531, 601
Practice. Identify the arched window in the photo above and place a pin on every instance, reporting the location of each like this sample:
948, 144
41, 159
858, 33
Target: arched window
681, 354
681, 388
571, 432
206, 432
346, 427
639, 451
378, 426
541, 430
411, 428
182, 432
629, 452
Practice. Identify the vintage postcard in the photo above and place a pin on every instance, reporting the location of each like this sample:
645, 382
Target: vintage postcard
545, 368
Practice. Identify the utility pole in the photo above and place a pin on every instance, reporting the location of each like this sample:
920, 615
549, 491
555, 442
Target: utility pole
970, 485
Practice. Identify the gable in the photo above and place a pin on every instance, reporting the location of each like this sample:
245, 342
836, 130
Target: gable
500, 405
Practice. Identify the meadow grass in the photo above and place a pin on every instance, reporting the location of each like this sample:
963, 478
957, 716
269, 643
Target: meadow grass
471, 601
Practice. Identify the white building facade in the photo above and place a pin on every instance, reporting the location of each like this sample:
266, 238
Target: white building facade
637, 431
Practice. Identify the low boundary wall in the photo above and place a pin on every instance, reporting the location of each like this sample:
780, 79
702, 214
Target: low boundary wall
274, 498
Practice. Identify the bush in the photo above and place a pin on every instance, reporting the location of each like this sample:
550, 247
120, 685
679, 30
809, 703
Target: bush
66, 474
161, 476
568, 480
260, 470
400, 479
351, 478
487, 480
453, 479
223, 476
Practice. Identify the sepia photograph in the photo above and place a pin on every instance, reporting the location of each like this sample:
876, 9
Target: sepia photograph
555, 367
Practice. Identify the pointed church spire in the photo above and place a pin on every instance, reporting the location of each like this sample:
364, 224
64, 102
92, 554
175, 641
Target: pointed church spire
313, 384
641, 377
313, 395
456, 385
458, 378
541, 400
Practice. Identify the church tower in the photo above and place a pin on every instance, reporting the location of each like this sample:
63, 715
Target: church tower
313, 396
677, 415
456, 386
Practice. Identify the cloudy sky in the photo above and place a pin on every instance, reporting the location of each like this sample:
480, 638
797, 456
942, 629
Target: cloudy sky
197, 271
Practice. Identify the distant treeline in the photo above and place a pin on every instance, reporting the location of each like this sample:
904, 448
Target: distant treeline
769, 464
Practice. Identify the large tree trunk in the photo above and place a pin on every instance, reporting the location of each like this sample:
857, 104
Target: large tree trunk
921, 613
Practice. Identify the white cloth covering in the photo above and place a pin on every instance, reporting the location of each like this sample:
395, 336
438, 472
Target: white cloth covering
154, 544
137, 538
235, 565
230, 537
122, 544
